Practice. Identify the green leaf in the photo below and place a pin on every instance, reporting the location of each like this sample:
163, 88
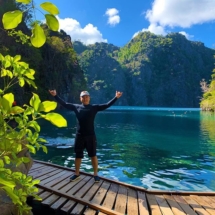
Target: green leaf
29, 111
30, 82
17, 175
1, 57
7, 183
42, 140
44, 149
12, 195
38, 37
30, 76
21, 82
31, 148
23, 64
49, 7
37, 181
12, 19
16, 110
7, 63
10, 98
25, 159
47, 106
24, 1
52, 22
17, 58
7, 159
32, 71
35, 101
56, 119
5, 104
34, 125
5, 72
1, 163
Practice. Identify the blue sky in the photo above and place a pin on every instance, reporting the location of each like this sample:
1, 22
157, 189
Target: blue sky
118, 21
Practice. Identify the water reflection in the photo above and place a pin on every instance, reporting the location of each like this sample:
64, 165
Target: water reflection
208, 126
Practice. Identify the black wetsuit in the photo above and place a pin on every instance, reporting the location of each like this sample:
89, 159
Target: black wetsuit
85, 115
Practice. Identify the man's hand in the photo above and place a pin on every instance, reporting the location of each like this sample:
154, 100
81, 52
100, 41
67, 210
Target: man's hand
118, 94
53, 92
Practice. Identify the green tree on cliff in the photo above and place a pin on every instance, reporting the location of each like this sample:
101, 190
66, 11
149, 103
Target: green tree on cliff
208, 100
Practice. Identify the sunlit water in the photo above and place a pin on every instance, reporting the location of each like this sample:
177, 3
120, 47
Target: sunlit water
155, 148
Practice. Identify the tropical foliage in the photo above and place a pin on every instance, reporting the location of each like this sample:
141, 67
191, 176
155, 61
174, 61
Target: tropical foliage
208, 100
12, 19
19, 129
55, 62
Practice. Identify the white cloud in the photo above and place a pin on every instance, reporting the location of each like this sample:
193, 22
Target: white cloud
88, 35
113, 17
188, 36
183, 13
154, 28
166, 14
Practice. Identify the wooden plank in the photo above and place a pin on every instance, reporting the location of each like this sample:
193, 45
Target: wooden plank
90, 211
68, 184
121, 199
110, 196
89, 174
204, 204
78, 186
142, 203
43, 171
184, 205
211, 198
68, 206
81, 201
40, 169
37, 169
78, 209
154, 208
35, 166
92, 191
99, 196
164, 207
89, 195
176, 209
132, 206
45, 195
51, 177
48, 175
85, 188
58, 179
61, 184
50, 200
209, 201
40, 191
196, 207
58, 203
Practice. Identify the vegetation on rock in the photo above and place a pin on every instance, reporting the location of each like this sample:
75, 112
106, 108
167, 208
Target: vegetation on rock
151, 70
208, 100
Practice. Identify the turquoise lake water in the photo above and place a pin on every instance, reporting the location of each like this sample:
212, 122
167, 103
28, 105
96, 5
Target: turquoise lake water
155, 148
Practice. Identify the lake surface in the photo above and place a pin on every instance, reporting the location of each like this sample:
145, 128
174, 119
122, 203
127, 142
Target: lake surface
155, 148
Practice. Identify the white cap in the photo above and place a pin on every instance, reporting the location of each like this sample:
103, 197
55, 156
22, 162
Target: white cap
84, 93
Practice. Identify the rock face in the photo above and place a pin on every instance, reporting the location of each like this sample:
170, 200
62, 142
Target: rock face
151, 70
6, 205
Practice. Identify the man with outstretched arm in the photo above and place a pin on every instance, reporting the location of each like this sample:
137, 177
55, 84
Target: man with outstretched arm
85, 133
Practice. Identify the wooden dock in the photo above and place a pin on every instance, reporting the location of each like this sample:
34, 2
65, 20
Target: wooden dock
84, 196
